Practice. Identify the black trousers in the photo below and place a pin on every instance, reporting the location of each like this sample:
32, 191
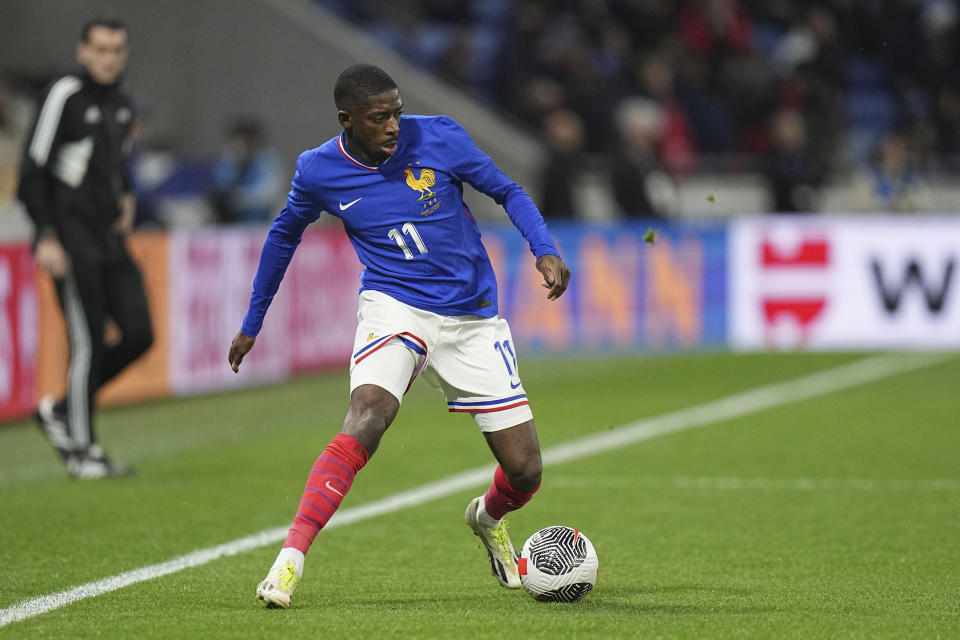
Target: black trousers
96, 289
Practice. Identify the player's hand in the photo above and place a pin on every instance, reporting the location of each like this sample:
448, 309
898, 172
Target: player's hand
51, 257
556, 275
128, 210
240, 347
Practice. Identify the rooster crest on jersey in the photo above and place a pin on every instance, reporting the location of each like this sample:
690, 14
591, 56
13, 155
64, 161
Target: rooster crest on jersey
422, 183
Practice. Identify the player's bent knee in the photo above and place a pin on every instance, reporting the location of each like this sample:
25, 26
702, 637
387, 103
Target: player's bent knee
142, 339
372, 410
529, 477
524, 475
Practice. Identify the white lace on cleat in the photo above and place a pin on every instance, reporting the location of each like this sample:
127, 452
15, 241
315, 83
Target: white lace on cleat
279, 585
503, 557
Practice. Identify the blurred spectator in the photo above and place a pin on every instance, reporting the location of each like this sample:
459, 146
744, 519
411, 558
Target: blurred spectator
947, 140
563, 130
248, 177
811, 40
16, 111
715, 28
794, 174
149, 167
719, 69
892, 183
541, 97
675, 146
641, 186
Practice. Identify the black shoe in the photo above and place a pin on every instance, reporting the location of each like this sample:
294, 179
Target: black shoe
55, 427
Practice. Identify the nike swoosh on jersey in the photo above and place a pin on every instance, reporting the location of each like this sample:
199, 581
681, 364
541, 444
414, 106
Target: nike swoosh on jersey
344, 207
515, 386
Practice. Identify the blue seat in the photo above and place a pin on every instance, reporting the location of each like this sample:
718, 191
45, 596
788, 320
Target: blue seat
864, 71
871, 109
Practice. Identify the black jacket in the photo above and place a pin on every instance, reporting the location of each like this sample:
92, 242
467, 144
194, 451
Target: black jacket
74, 163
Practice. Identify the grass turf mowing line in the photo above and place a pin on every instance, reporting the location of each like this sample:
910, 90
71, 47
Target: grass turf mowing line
824, 382
737, 483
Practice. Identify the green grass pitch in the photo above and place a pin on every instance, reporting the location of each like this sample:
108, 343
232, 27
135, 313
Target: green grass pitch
833, 517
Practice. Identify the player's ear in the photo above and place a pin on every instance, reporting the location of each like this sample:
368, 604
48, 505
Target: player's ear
344, 118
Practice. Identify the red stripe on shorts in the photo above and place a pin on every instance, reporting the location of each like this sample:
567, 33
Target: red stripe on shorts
509, 406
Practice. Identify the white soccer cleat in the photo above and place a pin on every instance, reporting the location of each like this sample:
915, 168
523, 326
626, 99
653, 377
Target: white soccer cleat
282, 579
503, 557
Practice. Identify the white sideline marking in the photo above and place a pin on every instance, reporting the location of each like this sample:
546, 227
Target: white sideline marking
843, 377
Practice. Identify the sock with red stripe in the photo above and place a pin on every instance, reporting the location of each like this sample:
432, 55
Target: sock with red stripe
329, 482
503, 497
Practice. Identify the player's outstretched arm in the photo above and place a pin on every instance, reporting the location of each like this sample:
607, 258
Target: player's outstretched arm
240, 347
556, 275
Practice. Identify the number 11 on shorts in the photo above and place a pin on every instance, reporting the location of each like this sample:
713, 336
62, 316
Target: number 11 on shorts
513, 372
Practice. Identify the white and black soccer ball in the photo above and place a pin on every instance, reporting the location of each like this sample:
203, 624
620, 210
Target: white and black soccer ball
558, 564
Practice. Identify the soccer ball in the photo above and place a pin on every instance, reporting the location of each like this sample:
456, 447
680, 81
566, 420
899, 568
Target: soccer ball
558, 564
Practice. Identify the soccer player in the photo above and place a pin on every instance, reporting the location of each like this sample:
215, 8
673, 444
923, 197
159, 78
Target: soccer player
77, 189
428, 303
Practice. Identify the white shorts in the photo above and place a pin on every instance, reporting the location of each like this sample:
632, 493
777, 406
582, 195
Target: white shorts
471, 359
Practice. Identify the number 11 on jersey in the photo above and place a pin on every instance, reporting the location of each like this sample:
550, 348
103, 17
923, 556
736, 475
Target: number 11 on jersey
411, 231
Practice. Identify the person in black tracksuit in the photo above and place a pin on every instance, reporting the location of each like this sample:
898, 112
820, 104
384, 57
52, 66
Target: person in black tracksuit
77, 189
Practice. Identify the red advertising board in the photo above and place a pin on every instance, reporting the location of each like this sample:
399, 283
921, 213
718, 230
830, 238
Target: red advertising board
18, 332
322, 287
309, 326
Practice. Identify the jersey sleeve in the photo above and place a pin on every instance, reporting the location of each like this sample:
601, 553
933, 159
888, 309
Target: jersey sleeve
127, 182
303, 207
43, 140
473, 166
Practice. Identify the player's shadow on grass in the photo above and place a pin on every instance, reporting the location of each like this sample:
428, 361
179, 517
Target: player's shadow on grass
693, 588
680, 599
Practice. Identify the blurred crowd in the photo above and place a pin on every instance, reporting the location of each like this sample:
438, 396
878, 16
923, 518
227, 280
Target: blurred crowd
804, 92
635, 95
16, 111
243, 182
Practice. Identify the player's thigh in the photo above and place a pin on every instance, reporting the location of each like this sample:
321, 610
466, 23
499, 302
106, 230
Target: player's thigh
82, 298
126, 297
390, 346
476, 364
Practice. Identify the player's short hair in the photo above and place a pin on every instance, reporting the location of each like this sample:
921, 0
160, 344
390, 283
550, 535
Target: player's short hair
109, 22
358, 83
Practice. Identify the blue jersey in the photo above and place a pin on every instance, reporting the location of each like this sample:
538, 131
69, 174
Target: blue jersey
406, 218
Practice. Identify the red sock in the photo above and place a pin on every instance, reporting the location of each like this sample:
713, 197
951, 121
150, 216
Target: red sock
503, 497
329, 481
